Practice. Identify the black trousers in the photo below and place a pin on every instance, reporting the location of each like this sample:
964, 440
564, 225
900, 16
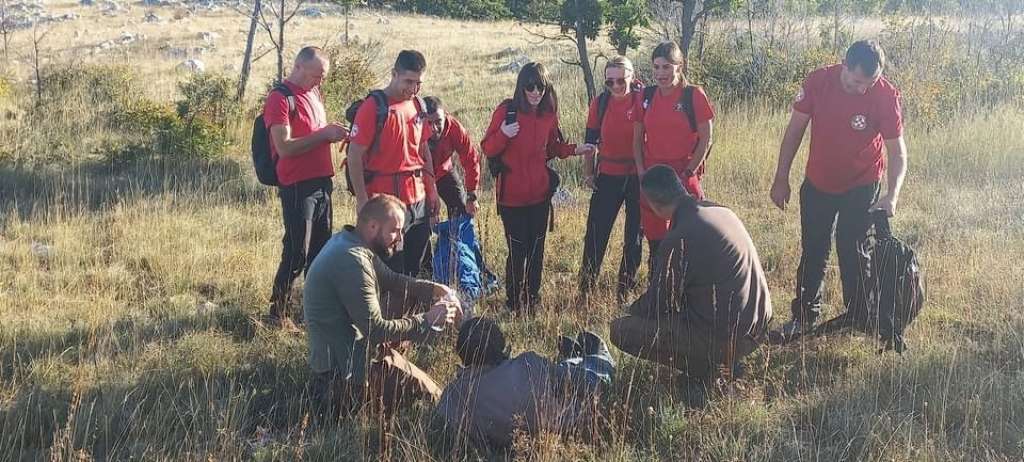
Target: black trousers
415, 257
452, 191
612, 191
526, 229
297, 200
821, 214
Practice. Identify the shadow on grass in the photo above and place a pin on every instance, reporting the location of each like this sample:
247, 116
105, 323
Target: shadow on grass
93, 186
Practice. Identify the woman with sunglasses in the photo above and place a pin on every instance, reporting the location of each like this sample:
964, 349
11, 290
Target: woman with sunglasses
616, 182
673, 129
523, 135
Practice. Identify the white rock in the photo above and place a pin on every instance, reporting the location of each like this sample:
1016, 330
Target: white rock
206, 307
40, 250
192, 65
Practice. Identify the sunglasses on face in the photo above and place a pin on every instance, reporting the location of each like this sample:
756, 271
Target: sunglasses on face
614, 82
535, 87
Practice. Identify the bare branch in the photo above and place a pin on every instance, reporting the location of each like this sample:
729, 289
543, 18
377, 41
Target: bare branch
263, 53
545, 37
571, 63
298, 5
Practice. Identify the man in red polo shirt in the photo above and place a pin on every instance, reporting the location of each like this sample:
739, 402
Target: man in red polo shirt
397, 161
449, 137
855, 112
301, 142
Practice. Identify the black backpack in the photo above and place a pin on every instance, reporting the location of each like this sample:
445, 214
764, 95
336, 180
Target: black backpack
893, 290
686, 103
263, 160
381, 99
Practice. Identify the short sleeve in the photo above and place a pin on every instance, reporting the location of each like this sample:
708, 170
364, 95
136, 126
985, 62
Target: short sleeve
364, 128
804, 99
702, 106
275, 109
891, 126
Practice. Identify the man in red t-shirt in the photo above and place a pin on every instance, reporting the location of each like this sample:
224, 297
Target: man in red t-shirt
854, 112
301, 144
397, 160
450, 137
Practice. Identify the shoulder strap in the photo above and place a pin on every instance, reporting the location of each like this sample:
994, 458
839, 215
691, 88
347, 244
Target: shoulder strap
288, 95
687, 101
649, 96
381, 101
602, 106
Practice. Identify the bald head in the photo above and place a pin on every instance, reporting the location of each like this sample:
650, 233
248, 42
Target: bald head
379, 209
380, 224
311, 65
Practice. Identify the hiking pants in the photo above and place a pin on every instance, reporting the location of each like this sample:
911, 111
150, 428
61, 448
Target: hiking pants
453, 193
526, 228
415, 257
293, 259
611, 192
819, 214
686, 345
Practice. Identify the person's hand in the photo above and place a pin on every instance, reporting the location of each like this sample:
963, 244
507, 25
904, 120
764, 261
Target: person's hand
586, 149
589, 181
471, 207
510, 130
887, 203
780, 193
433, 208
334, 132
441, 314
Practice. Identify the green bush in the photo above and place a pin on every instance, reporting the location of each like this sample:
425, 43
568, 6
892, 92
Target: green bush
351, 75
460, 9
208, 97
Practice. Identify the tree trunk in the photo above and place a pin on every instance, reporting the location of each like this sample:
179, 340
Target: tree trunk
243, 79
588, 72
687, 27
280, 43
348, 13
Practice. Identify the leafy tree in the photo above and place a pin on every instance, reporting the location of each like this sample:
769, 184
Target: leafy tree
625, 18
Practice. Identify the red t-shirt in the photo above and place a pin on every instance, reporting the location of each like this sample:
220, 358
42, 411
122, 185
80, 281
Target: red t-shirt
616, 149
669, 138
455, 139
397, 155
525, 156
309, 117
847, 131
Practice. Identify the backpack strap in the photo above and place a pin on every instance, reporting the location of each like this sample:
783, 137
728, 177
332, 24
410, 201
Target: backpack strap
687, 103
648, 97
381, 100
289, 96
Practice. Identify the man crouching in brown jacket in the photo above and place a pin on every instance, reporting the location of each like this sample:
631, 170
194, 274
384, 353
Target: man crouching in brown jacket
708, 304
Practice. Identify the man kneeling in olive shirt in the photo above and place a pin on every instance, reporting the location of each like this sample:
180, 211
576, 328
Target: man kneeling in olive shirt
358, 311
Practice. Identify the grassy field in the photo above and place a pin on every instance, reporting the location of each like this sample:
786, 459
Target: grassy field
126, 298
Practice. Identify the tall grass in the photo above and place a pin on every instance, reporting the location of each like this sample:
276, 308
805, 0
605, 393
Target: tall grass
126, 297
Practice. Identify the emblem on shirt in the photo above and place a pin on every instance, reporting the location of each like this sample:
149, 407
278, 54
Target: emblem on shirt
859, 122
629, 114
800, 94
354, 131
680, 107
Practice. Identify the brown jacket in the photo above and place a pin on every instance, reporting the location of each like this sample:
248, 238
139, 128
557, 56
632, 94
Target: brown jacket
708, 271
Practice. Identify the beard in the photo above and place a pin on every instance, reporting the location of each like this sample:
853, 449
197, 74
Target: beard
382, 249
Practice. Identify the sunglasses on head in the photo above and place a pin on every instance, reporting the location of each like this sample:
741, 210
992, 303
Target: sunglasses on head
534, 86
613, 82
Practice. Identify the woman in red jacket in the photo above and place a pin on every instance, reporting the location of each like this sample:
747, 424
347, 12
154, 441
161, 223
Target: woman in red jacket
522, 137
672, 126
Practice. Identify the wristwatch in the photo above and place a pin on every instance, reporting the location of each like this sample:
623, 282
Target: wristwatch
471, 197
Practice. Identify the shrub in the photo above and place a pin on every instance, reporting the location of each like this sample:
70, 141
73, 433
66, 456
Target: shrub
209, 97
351, 76
460, 9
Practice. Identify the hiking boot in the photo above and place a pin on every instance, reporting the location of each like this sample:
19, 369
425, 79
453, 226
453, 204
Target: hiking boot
790, 331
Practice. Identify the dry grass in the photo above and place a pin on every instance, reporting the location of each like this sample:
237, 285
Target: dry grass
109, 351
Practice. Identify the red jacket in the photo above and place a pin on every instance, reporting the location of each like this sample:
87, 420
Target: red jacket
525, 181
455, 139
